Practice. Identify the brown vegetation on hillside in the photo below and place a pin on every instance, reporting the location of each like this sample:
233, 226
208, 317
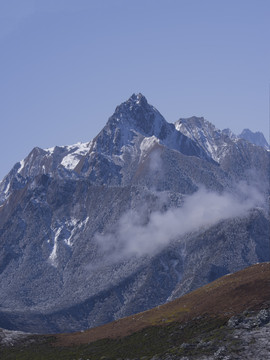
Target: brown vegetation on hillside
248, 289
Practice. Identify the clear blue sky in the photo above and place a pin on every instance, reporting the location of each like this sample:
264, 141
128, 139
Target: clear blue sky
66, 65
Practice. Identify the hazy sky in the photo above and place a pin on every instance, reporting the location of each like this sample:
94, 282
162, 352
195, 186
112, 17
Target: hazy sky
66, 65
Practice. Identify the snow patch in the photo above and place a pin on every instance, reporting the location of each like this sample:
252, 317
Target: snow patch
21, 166
50, 150
147, 144
68, 241
53, 255
75, 224
71, 160
7, 189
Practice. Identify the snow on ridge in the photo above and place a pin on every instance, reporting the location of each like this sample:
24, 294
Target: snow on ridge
71, 160
205, 134
7, 189
22, 162
53, 255
80, 147
74, 154
50, 150
147, 144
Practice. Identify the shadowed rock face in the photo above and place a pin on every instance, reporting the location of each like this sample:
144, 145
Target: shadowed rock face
57, 273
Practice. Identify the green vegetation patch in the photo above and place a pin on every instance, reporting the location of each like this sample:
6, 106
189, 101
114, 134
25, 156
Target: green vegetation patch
199, 336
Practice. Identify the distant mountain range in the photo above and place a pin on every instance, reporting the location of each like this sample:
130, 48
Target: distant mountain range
256, 138
145, 212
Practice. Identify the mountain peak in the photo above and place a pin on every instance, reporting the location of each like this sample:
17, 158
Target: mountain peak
133, 104
137, 114
138, 99
135, 119
256, 138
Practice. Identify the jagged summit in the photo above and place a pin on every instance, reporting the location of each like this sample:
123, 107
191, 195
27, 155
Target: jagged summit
138, 98
134, 101
136, 119
228, 132
256, 138
212, 140
135, 129
194, 122
131, 118
132, 132
137, 114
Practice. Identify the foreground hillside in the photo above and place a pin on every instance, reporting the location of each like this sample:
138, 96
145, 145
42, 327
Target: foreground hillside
226, 319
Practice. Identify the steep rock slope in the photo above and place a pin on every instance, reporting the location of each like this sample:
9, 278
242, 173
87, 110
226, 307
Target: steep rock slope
234, 154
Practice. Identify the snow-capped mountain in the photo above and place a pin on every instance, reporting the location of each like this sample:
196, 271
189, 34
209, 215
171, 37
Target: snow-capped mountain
58, 161
145, 211
214, 141
136, 120
256, 138
130, 134
231, 152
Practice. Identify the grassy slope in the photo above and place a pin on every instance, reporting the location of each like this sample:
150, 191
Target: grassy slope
200, 316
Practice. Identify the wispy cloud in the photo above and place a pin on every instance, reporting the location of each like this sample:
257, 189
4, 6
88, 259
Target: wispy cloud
134, 235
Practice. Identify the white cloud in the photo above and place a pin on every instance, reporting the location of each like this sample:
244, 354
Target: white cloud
133, 236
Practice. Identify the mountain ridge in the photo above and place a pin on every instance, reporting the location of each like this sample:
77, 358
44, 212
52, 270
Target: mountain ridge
256, 138
73, 160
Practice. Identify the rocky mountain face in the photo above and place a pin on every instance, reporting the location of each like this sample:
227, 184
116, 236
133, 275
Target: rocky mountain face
256, 138
143, 213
